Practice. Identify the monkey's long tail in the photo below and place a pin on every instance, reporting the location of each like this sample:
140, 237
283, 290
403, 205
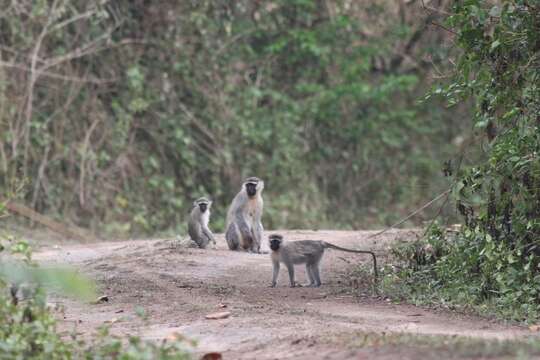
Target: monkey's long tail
375, 272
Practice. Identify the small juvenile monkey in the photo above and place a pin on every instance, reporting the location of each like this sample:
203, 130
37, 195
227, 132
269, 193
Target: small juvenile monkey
244, 227
198, 223
309, 252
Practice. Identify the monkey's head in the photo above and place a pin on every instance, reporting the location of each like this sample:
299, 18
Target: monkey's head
203, 204
275, 241
253, 185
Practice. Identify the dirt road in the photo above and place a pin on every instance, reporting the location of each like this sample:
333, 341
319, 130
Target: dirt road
177, 287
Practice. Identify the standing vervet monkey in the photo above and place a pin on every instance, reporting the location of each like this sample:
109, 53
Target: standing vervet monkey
244, 228
198, 223
309, 252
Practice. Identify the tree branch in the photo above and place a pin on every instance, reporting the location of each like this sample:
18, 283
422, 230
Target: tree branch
57, 76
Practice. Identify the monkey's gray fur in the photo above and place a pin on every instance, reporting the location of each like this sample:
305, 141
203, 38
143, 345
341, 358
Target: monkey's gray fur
244, 227
198, 223
309, 252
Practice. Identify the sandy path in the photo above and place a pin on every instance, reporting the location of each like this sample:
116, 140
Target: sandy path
177, 287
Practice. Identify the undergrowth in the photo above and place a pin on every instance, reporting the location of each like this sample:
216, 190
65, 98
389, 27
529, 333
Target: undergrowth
464, 270
491, 264
28, 328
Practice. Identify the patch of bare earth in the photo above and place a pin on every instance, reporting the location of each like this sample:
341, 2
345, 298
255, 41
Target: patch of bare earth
178, 287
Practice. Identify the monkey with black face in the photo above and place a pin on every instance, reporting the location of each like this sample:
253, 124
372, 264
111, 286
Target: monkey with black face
244, 227
309, 252
198, 223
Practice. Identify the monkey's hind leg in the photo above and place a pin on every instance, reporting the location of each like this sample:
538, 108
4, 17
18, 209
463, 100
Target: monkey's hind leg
290, 268
198, 237
255, 246
316, 275
311, 277
233, 237
245, 236
203, 241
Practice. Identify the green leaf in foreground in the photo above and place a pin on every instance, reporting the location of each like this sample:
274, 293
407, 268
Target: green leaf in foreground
64, 281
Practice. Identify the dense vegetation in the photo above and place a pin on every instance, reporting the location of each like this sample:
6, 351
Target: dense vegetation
123, 112
493, 262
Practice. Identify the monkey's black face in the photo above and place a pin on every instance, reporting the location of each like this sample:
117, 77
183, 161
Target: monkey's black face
251, 189
203, 207
274, 244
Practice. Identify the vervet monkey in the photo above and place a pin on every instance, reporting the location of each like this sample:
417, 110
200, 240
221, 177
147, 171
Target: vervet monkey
244, 228
198, 223
309, 252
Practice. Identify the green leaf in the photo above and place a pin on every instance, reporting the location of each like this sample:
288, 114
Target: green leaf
495, 44
495, 11
66, 281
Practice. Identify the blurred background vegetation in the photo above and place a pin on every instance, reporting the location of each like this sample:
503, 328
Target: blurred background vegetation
120, 113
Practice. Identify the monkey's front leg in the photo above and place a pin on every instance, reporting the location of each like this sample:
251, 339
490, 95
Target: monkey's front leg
246, 234
291, 275
275, 273
206, 231
257, 233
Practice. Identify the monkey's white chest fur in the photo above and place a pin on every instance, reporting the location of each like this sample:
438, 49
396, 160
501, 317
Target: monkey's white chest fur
205, 218
252, 207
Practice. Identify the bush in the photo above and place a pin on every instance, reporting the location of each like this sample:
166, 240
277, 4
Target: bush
465, 270
493, 263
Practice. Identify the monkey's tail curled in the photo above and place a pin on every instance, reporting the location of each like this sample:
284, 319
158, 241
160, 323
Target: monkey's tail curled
375, 272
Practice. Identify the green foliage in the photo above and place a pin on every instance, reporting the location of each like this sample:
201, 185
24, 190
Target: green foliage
493, 263
17, 267
107, 346
28, 331
64, 281
173, 100
28, 327
500, 69
466, 270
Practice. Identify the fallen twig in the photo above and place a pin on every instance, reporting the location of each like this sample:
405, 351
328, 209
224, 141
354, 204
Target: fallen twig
46, 221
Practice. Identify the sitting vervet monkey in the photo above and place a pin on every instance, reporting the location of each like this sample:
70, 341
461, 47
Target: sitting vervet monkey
309, 252
198, 223
244, 228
